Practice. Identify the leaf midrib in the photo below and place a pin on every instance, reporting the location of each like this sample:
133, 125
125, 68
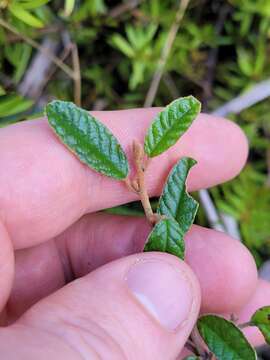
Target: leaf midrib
86, 144
166, 132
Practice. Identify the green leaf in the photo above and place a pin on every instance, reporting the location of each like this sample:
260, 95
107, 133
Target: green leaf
69, 7
33, 4
22, 64
88, 138
120, 43
225, 339
175, 202
166, 236
261, 319
170, 124
191, 357
13, 104
25, 16
2, 91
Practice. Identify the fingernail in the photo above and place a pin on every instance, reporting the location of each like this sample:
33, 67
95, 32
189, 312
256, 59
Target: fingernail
163, 290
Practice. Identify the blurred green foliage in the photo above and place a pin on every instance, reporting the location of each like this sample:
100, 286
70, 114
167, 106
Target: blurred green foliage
221, 49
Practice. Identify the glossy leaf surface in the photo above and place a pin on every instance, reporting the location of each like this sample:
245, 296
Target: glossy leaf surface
166, 236
261, 319
224, 339
175, 202
88, 138
170, 124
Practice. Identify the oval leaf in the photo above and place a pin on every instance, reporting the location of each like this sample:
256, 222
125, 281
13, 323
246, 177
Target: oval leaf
224, 339
166, 236
170, 124
261, 319
88, 138
175, 202
24, 15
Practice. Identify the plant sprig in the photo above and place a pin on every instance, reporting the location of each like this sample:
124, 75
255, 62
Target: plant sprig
214, 337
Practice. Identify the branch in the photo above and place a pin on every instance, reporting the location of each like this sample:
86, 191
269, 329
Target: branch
36, 76
36, 45
251, 97
211, 211
165, 53
77, 75
256, 94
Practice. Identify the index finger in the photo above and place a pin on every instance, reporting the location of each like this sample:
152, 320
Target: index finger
44, 188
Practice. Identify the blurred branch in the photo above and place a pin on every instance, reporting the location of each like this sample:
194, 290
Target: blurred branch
36, 45
211, 211
168, 80
257, 93
77, 75
213, 57
165, 53
122, 8
251, 97
12, 38
35, 78
75, 65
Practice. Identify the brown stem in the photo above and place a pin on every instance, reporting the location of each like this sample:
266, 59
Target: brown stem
191, 347
198, 342
150, 96
77, 75
138, 155
244, 325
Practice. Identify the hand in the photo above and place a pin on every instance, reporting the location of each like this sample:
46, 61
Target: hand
140, 306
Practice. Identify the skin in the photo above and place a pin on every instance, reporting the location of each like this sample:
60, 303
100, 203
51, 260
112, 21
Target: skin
51, 233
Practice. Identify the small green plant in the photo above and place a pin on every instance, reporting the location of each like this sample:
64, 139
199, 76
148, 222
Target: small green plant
95, 146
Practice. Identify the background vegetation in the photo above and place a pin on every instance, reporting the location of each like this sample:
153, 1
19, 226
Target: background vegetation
122, 54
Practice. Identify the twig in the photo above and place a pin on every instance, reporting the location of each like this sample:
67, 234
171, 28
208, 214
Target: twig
122, 8
12, 38
36, 45
75, 65
213, 57
244, 325
35, 78
63, 56
138, 154
211, 211
251, 97
171, 85
165, 53
257, 93
198, 342
189, 345
77, 75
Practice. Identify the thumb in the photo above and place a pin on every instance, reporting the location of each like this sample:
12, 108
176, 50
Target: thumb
139, 307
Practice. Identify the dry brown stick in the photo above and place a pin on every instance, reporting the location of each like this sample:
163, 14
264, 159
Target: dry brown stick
165, 53
13, 38
36, 45
77, 75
